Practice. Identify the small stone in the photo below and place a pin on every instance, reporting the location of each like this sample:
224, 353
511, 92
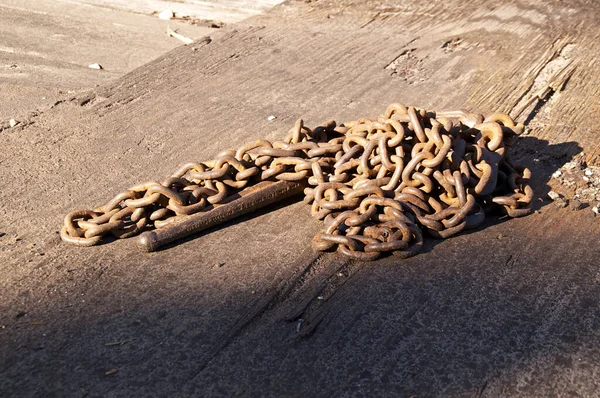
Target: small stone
556, 174
588, 172
13, 122
588, 192
596, 210
572, 165
553, 195
166, 15
500, 236
561, 203
576, 205
95, 66
586, 179
271, 118
2, 234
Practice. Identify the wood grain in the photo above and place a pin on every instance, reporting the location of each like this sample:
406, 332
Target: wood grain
509, 309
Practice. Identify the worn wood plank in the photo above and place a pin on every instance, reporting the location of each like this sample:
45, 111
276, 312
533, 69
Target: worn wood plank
250, 309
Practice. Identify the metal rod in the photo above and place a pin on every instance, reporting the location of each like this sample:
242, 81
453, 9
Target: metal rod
246, 201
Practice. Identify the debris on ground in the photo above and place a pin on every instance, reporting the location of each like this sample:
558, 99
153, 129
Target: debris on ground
553, 195
110, 372
576, 185
299, 325
166, 15
199, 22
178, 36
577, 205
561, 202
95, 66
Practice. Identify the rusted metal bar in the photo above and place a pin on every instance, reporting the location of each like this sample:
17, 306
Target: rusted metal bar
246, 201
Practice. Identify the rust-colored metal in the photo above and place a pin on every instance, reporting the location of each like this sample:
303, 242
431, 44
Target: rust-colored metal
377, 184
247, 201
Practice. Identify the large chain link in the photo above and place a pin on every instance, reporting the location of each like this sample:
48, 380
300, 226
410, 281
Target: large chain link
376, 183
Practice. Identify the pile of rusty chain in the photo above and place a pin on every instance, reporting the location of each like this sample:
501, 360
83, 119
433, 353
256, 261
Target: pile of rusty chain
376, 183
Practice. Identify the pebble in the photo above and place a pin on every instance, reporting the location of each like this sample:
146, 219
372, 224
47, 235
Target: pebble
576, 205
556, 174
596, 210
95, 66
553, 195
561, 203
570, 165
588, 172
588, 192
299, 325
166, 15
271, 118
12, 122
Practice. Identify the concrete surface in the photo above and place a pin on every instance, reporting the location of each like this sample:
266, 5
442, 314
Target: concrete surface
510, 309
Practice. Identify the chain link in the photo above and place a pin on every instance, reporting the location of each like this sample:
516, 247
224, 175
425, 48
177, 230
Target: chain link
376, 183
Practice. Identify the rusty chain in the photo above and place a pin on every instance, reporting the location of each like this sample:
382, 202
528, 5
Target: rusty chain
376, 183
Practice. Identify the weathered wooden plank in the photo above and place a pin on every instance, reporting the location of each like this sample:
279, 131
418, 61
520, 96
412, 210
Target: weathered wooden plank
250, 309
